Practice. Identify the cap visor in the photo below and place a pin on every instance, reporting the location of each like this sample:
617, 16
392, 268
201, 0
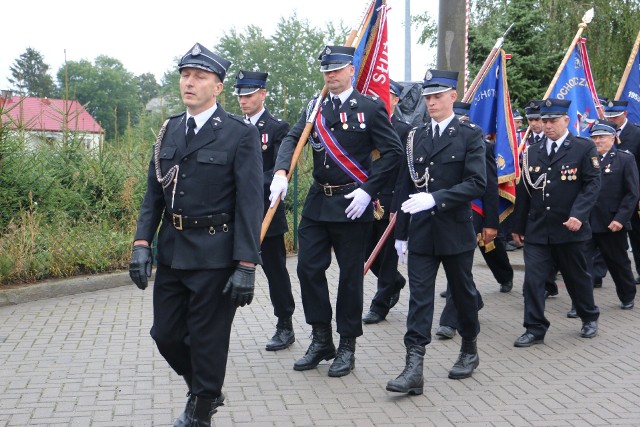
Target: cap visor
601, 132
241, 91
551, 115
430, 90
613, 113
333, 67
533, 116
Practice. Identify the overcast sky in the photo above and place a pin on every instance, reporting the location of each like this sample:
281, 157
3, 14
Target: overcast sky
146, 36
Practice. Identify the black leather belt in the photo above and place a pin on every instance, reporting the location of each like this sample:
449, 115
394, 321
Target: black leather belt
182, 222
330, 190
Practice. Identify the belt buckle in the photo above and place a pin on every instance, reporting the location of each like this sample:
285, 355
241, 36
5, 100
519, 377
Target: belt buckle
327, 190
177, 221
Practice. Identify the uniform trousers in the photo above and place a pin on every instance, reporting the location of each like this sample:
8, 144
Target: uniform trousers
498, 262
385, 268
539, 262
613, 249
274, 265
192, 325
348, 240
422, 271
634, 238
449, 315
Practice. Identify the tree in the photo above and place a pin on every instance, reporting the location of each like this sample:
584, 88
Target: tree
108, 91
148, 87
30, 75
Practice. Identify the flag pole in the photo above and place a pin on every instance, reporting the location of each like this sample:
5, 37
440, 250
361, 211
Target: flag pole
586, 19
485, 66
627, 70
307, 130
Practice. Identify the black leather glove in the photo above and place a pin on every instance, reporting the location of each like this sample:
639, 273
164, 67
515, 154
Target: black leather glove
140, 265
241, 284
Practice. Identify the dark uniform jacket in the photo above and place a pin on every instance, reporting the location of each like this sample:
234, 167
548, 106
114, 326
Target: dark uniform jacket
272, 132
359, 140
220, 172
540, 216
618, 195
630, 141
457, 169
385, 196
490, 198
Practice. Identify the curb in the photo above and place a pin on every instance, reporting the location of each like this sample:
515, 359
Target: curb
63, 287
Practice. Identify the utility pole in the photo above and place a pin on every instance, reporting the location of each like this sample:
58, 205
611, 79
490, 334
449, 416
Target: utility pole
451, 39
407, 40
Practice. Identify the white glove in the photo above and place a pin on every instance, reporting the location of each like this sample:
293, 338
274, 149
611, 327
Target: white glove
401, 249
358, 205
278, 188
418, 202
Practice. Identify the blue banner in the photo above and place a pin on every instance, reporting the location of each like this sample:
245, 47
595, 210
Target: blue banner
631, 92
575, 84
491, 110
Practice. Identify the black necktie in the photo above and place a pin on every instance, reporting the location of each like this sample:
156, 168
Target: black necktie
436, 133
554, 147
336, 103
191, 129
536, 138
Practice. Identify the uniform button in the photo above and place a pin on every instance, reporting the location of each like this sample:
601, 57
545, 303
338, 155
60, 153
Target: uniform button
546, 195
326, 166
331, 129
184, 175
181, 193
433, 212
443, 205
549, 169
431, 163
432, 179
180, 210
548, 181
548, 208
211, 159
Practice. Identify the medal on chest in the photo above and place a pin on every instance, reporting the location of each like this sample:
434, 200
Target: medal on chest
361, 120
265, 140
343, 120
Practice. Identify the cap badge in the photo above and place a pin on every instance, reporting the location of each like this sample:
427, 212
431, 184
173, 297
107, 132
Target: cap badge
548, 103
428, 76
610, 104
240, 75
196, 50
532, 105
327, 51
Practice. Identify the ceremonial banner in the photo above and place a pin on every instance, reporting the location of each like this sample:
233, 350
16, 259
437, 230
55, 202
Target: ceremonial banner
491, 110
370, 59
631, 90
575, 83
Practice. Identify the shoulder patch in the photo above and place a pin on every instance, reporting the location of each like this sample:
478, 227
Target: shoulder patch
595, 162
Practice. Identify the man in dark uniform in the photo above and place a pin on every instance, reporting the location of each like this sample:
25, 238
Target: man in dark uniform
560, 186
203, 181
486, 228
532, 111
338, 210
250, 88
629, 136
444, 172
617, 202
385, 266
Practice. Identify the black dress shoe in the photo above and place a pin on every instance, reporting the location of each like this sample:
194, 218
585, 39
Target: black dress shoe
627, 305
597, 282
446, 332
548, 294
572, 314
443, 294
372, 317
589, 329
506, 287
527, 340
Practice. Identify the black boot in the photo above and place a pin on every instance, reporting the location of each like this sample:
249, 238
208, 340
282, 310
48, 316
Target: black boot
283, 337
185, 418
345, 360
203, 410
321, 348
411, 380
468, 360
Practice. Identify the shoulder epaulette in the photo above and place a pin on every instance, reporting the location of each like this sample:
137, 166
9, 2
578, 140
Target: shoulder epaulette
469, 125
239, 119
177, 115
620, 150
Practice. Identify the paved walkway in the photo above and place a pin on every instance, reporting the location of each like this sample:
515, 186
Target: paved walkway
88, 360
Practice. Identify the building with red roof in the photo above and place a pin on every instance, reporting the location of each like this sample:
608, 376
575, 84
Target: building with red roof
46, 120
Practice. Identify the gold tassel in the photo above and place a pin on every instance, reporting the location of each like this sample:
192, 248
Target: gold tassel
378, 210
